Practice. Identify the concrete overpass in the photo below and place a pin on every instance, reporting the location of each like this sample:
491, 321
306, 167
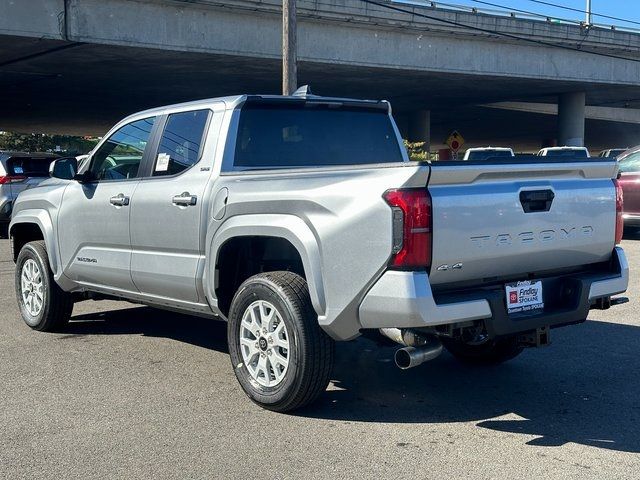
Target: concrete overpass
77, 66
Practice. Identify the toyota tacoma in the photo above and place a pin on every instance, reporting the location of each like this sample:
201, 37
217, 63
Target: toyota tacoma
300, 221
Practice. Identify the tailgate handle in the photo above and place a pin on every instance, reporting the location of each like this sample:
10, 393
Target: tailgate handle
536, 200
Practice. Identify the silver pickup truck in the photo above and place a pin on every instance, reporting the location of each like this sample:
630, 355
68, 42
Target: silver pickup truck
301, 221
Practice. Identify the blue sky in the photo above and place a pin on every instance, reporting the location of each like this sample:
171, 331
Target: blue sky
626, 9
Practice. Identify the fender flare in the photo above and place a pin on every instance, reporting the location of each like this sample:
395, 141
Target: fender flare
288, 227
42, 219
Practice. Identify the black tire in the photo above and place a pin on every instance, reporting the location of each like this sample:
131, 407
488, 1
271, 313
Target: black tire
56, 303
492, 352
311, 350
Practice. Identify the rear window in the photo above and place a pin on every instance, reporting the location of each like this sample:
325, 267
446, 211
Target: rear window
29, 166
484, 155
311, 135
567, 153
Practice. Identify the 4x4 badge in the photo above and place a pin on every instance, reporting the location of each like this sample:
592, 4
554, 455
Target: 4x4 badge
445, 267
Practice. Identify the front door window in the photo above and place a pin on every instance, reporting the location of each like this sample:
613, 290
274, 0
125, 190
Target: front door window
120, 156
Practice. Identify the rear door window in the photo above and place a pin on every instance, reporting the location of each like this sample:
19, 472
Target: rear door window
311, 135
181, 142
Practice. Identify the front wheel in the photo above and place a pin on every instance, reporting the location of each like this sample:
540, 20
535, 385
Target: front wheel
281, 357
43, 304
491, 352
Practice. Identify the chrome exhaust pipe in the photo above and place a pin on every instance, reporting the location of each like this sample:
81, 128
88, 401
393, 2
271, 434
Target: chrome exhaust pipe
405, 336
418, 348
409, 357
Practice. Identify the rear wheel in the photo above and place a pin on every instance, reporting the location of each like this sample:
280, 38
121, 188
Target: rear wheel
280, 356
43, 304
491, 352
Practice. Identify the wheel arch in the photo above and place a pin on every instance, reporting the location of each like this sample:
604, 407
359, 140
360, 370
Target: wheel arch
30, 225
279, 228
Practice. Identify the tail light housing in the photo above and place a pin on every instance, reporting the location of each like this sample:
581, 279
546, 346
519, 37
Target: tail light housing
11, 179
412, 235
619, 208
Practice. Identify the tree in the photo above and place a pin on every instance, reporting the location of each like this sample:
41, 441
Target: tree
416, 152
38, 142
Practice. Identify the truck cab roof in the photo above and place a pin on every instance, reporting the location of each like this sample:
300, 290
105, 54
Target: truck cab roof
303, 94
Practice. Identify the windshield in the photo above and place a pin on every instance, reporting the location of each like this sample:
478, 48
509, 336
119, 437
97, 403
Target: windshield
311, 135
631, 163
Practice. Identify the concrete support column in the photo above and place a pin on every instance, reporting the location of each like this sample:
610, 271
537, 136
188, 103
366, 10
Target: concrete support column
420, 128
571, 114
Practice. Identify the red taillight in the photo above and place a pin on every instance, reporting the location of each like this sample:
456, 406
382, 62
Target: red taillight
11, 179
619, 207
411, 228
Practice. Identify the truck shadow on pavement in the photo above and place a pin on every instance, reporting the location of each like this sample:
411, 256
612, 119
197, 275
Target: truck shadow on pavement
584, 388
201, 332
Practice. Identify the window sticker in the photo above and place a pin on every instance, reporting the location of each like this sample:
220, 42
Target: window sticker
18, 170
162, 164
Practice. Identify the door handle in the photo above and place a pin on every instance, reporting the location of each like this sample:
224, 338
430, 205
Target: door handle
119, 200
185, 199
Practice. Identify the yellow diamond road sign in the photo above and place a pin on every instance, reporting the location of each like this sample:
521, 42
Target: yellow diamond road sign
455, 141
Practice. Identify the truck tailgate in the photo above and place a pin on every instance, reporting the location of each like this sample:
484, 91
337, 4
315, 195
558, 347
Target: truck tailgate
492, 221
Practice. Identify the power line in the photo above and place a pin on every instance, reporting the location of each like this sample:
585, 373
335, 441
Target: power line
527, 12
478, 29
504, 7
40, 54
547, 17
551, 4
497, 33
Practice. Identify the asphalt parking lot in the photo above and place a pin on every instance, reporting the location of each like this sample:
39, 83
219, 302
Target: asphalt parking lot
132, 392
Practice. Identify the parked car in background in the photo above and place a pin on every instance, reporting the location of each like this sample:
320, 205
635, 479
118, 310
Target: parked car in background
565, 152
629, 180
612, 152
19, 171
484, 153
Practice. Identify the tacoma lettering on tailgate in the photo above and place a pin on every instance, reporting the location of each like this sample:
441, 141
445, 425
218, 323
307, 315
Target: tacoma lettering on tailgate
525, 238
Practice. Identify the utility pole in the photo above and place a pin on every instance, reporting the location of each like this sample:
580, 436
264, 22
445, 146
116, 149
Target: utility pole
588, 10
289, 47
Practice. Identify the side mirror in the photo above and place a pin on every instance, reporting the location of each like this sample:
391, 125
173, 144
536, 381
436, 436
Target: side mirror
64, 168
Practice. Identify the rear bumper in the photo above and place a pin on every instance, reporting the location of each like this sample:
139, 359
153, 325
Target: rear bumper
405, 300
631, 220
